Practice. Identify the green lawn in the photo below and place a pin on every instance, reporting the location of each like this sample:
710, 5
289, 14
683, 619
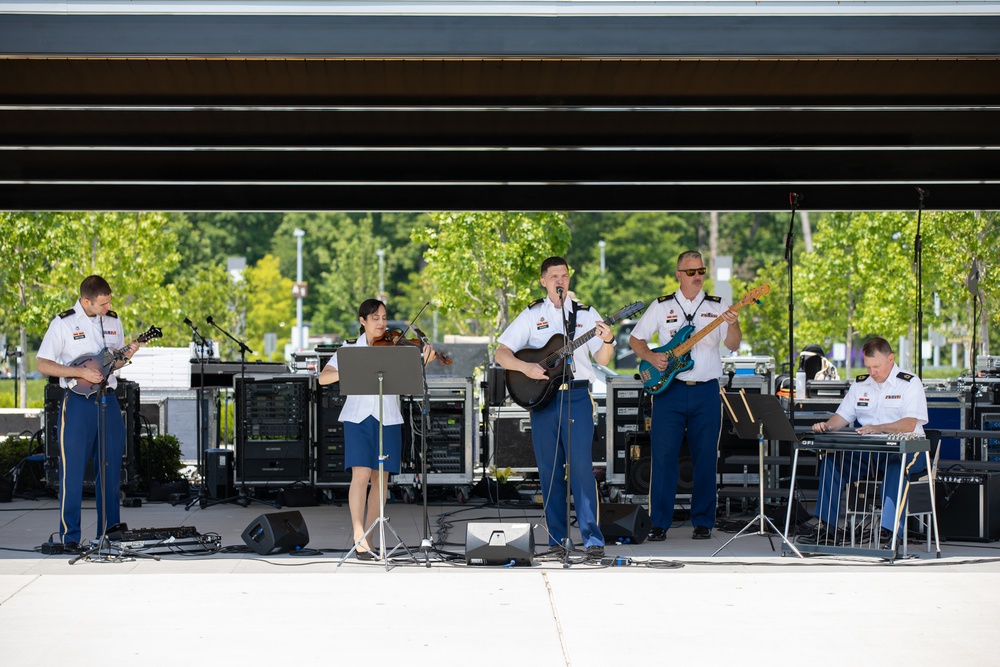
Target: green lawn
36, 395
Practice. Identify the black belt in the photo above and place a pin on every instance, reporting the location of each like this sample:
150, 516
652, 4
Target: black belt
577, 384
692, 383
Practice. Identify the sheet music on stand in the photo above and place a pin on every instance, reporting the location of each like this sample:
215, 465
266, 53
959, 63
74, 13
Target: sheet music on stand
382, 371
759, 417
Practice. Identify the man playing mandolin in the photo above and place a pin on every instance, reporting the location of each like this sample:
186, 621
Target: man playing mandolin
572, 409
85, 329
689, 405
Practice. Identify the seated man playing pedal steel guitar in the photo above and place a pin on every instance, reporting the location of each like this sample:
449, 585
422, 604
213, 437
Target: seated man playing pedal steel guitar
886, 400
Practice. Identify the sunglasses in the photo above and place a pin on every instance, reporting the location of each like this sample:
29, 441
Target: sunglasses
691, 272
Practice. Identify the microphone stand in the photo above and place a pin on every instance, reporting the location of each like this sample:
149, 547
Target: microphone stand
202, 498
567, 399
793, 200
918, 268
242, 498
426, 544
971, 422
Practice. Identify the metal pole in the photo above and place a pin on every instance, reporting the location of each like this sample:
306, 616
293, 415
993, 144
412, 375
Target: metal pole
381, 272
602, 245
299, 233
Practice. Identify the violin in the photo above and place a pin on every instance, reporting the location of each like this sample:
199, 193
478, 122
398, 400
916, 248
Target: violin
395, 337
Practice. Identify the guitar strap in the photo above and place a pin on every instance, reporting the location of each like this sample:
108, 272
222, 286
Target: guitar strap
572, 321
690, 318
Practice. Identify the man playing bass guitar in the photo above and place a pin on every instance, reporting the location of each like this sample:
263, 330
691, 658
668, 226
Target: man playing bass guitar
691, 404
571, 409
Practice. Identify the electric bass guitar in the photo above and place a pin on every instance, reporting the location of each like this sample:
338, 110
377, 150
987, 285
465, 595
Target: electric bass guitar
531, 394
678, 350
104, 362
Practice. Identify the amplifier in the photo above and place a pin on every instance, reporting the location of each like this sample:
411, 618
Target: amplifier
968, 504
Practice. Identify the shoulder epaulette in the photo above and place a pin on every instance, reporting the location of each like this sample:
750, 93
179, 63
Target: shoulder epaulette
713, 299
861, 378
113, 314
67, 313
536, 302
351, 341
582, 306
667, 297
904, 376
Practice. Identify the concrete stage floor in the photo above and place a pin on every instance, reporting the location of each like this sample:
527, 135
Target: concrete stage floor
674, 605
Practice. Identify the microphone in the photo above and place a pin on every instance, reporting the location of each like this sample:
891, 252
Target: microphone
923, 194
559, 291
187, 321
209, 320
794, 198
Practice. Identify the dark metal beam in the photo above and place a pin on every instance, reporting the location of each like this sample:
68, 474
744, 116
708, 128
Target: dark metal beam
723, 197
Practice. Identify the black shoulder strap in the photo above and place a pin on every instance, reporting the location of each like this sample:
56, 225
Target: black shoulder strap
572, 321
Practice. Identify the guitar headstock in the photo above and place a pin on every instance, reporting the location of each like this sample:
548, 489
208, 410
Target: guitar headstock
150, 334
630, 309
753, 296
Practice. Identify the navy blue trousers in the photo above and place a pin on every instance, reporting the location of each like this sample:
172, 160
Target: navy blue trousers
697, 411
835, 472
549, 439
79, 442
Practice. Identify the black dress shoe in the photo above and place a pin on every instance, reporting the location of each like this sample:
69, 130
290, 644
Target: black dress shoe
701, 533
657, 535
823, 535
595, 552
363, 554
72, 547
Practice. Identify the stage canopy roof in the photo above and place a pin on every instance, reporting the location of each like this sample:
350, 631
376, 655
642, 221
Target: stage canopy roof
517, 105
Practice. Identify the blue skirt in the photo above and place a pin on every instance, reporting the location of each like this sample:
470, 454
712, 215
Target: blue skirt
361, 445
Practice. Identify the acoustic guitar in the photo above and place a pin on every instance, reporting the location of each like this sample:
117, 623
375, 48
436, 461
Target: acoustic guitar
531, 394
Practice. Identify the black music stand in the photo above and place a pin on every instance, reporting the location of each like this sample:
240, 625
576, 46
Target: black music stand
380, 371
759, 416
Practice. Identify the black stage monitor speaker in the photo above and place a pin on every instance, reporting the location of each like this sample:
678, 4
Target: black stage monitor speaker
624, 522
499, 544
276, 533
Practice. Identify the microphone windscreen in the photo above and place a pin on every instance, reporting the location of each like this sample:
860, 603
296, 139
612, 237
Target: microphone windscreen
209, 320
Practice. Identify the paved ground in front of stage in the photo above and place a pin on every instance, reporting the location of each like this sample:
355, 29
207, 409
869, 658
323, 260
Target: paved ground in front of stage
675, 604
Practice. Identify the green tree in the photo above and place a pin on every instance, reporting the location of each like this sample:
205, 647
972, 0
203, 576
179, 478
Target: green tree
29, 242
481, 267
271, 307
349, 277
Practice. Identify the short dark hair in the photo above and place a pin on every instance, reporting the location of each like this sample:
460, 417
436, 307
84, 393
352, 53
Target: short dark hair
367, 307
549, 262
93, 287
687, 254
876, 344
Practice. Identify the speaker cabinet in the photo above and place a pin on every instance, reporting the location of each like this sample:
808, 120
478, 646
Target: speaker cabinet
968, 504
639, 466
499, 544
625, 523
219, 473
276, 533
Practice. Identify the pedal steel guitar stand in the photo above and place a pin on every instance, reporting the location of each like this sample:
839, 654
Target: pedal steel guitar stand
380, 371
752, 415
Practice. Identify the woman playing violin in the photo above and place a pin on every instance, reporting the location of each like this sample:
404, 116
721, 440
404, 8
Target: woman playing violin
361, 430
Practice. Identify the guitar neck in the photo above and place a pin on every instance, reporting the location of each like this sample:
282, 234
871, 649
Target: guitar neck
693, 340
